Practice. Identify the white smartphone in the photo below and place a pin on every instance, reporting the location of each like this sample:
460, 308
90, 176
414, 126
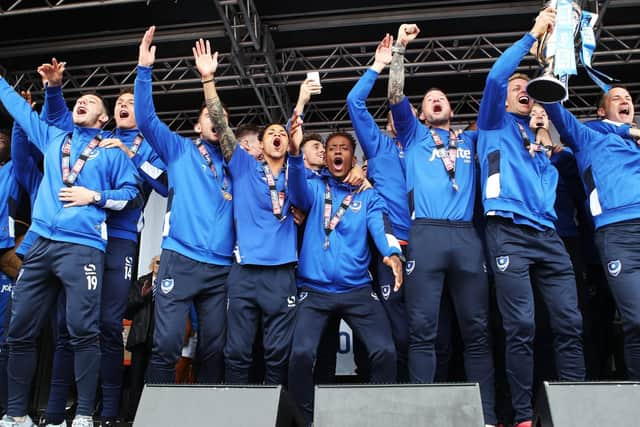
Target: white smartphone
314, 75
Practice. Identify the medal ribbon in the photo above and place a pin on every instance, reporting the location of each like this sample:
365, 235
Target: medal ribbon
531, 148
277, 198
448, 157
137, 141
69, 177
331, 223
205, 154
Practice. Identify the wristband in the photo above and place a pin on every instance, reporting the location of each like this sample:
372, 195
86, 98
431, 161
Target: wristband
207, 81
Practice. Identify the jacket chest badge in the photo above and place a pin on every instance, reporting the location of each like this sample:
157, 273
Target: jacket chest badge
356, 206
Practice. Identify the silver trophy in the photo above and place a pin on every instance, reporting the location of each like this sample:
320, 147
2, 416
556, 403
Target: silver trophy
548, 88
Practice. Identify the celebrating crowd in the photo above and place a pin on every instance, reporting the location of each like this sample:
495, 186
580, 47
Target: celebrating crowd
272, 233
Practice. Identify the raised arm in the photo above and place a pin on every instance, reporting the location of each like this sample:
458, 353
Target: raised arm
365, 126
37, 131
300, 192
25, 166
405, 122
492, 105
207, 65
307, 88
166, 143
406, 33
55, 111
572, 132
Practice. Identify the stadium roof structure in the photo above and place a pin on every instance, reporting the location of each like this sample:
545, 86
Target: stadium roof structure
267, 47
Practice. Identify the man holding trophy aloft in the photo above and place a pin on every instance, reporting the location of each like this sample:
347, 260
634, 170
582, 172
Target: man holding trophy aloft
519, 185
554, 51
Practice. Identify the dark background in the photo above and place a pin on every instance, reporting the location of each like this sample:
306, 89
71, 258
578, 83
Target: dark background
458, 43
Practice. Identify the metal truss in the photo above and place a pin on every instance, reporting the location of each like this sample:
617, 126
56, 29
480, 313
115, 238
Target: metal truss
20, 7
269, 72
331, 115
253, 55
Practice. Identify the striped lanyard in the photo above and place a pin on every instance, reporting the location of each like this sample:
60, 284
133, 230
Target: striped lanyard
207, 158
277, 197
69, 176
137, 142
448, 157
331, 223
531, 148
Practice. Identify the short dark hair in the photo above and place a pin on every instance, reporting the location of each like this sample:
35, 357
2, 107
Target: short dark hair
434, 88
346, 135
105, 104
247, 129
267, 126
311, 137
125, 90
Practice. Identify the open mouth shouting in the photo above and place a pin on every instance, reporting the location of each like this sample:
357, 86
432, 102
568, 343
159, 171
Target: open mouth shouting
437, 108
123, 114
277, 143
81, 111
523, 99
338, 164
625, 112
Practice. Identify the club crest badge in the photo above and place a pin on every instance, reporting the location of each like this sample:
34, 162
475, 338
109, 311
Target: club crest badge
302, 296
410, 266
386, 291
166, 285
291, 301
356, 206
614, 267
502, 262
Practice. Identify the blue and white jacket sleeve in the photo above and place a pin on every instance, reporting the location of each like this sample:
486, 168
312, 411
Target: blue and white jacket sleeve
37, 131
125, 185
25, 166
572, 132
166, 143
367, 131
300, 192
405, 122
152, 170
55, 111
492, 109
379, 226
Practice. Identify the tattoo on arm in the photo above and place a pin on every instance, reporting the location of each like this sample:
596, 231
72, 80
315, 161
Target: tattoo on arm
226, 137
396, 78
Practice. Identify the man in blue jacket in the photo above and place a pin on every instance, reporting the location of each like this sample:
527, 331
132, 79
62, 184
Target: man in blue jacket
261, 285
198, 235
519, 185
332, 273
443, 244
386, 168
610, 160
9, 200
121, 254
69, 217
